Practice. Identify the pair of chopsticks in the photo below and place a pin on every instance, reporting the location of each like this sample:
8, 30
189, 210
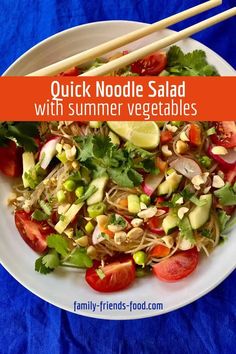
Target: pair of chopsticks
121, 62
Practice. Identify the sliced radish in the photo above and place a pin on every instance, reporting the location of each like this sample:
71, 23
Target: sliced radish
227, 162
48, 151
96, 237
187, 167
151, 182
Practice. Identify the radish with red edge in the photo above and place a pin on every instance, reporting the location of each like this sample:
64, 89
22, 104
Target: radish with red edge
227, 162
48, 151
97, 237
151, 182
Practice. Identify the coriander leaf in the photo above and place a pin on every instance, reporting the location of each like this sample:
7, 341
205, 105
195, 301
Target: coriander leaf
40, 267
223, 219
190, 64
186, 229
22, 137
86, 147
135, 177
80, 259
120, 177
226, 194
186, 194
51, 260
101, 145
59, 243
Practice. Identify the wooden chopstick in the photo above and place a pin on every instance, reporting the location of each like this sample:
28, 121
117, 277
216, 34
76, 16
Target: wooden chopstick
103, 48
162, 43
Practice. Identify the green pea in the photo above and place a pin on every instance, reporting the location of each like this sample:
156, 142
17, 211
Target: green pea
177, 123
96, 209
140, 258
61, 197
69, 185
89, 227
144, 198
79, 191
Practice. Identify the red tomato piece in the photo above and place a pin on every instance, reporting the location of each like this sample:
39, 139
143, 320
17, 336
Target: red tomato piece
194, 134
70, 72
33, 232
231, 176
225, 134
177, 267
11, 160
151, 65
154, 225
166, 136
118, 275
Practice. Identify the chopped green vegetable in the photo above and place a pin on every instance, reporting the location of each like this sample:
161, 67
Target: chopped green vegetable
79, 191
226, 194
46, 207
69, 185
39, 215
140, 258
211, 131
100, 273
61, 197
186, 229
117, 220
205, 233
88, 193
96, 209
144, 198
205, 161
89, 227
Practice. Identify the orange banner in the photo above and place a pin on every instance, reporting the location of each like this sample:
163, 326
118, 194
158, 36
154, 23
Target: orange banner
117, 98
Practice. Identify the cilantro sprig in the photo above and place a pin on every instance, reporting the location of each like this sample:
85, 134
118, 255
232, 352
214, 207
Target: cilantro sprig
22, 133
123, 166
190, 64
60, 254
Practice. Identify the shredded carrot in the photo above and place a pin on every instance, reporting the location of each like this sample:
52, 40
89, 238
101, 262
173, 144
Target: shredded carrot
159, 251
162, 165
123, 203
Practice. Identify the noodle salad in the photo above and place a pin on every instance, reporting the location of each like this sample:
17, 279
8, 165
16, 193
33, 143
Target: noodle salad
123, 200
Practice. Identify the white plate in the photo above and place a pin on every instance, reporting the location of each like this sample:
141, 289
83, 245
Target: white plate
62, 288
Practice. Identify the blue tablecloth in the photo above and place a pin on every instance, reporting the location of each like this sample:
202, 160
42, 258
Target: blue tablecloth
30, 325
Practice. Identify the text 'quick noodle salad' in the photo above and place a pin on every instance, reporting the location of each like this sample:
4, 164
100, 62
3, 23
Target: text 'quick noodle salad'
123, 199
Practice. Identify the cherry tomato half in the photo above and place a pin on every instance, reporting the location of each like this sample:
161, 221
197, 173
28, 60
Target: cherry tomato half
154, 225
70, 72
34, 233
225, 134
118, 275
151, 65
11, 160
177, 267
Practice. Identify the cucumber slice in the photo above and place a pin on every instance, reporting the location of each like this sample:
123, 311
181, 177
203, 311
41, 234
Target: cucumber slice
169, 224
100, 184
200, 214
170, 184
133, 204
28, 163
68, 217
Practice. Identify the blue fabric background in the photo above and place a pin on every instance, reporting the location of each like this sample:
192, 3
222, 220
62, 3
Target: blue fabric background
30, 325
